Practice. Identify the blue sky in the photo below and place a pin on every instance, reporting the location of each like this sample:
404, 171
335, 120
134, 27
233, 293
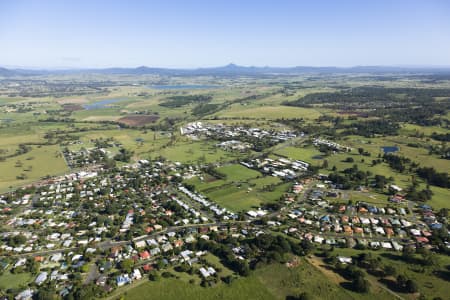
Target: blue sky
183, 33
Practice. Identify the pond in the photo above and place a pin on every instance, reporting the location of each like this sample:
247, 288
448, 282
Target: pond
183, 87
100, 104
390, 149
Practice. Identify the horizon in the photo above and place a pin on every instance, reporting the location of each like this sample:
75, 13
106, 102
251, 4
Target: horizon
62, 68
201, 34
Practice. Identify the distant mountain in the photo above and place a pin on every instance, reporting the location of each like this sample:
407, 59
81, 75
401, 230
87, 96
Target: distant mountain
6, 72
231, 70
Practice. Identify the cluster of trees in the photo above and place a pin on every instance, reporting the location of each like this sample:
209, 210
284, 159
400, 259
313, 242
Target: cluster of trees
422, 195
124, 155
351, 177
396, 162
394, 104
371, 128
205, 108
267, 248
226, 256
433, 177
179, 101
357, 277
211, 170
443, 137
22, 149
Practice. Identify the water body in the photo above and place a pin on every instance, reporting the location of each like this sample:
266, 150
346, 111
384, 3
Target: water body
183, 87
390, 149
101, 104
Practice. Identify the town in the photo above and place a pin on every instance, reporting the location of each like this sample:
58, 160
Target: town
118, 226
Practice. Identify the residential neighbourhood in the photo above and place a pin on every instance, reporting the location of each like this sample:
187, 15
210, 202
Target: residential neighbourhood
114, 227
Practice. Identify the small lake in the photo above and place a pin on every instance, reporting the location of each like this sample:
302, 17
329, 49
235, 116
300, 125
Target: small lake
100, 104
390, 149
183, 87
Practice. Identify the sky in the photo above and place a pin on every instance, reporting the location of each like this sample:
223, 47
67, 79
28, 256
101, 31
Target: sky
196, 33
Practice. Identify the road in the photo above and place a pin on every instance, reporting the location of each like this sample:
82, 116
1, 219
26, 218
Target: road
105, 245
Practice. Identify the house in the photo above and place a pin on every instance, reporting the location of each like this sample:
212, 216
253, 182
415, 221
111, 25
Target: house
397, 246
166, 247
122, 280
389, 231
386, 245
318, 239
139, 244
178, 243
344, 260
204, 272
358, 229
147, 267
41, 278
144, 255
20, 262
374, 244
137, 274
38, 258
415, 232
101, 281
186, 254
25, 295
155, 251
422, 239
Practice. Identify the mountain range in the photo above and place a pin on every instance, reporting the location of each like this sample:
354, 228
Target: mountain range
228, 70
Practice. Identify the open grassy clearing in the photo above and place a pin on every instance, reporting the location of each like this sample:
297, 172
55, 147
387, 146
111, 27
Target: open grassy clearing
237, 172
242, 197
192, 152
243, 188
39, 162
308, 154
14, 281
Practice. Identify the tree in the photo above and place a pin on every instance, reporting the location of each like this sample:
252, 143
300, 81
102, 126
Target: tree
411, 286
389, 270
360, 284
408, 254
349, 159
401, 281
304, 296
126, 265
153, 276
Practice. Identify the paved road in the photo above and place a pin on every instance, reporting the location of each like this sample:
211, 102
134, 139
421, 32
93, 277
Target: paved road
109, 243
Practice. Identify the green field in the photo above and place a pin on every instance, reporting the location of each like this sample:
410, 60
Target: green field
39, 162
271, 282
243, 188
308, 154
14, 281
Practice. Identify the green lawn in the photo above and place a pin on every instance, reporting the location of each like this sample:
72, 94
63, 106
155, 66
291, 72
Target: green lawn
242, 189
237, 172
13, 281
193, 152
